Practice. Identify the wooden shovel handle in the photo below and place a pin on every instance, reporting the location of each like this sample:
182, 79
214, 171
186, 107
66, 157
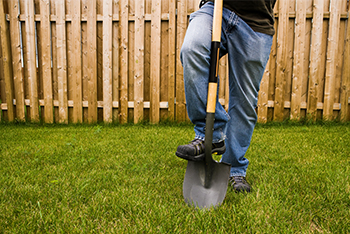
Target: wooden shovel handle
212, 91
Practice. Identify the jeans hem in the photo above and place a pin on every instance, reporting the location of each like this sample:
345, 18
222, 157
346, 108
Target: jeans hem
231, 175
214, 141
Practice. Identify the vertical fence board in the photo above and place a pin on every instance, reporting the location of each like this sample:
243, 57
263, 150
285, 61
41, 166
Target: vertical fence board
124, 32
17, 59
322, 67
164, 62
76, 73
263, 95
155, 60
85, 60
39, 62
99, 58
31, 62
131, 60
54, 62
222, 80
62, 61
139, 61
272, 74
345, 84
46, 60
298, 68
107, 60
147, 58
6, 62
70, 61
172, 59
227, 86
289, 44
281, 60
132, 66
340, 57
181, 30
315, 54
115, 67
306, 61
92, 61
334, 23
147, 71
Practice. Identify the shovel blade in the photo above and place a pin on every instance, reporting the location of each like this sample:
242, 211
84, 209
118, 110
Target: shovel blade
194, 191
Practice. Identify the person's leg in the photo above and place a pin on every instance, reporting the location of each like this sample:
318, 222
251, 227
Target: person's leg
195, 58
248, 53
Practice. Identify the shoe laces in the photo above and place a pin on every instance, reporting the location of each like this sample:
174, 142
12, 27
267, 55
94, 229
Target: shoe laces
237, 179
198, 146
196, 142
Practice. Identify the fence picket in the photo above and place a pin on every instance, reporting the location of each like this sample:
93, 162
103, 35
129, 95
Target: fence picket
222, 81
155, 60
116, 66
6, 60
17, 59
345, 86
172, 59
227, 86
46, 60
334, 23
315, 54
62, 62
107, 61
139, 60
283, 19
92, 61
181, 30
263, 95
76, 74
31, 62
298, 68
124, 31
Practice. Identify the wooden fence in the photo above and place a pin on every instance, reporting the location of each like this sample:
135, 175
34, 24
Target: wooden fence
118, 60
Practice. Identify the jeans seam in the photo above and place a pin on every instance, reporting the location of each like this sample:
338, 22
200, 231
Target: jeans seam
232, 22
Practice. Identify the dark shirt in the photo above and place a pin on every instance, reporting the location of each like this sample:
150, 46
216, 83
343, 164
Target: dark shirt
258, 14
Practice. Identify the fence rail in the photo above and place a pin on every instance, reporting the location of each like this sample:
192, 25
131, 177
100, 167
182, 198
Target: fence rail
118, 60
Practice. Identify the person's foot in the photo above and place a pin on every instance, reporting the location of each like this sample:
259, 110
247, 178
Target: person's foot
194, 151
239, 184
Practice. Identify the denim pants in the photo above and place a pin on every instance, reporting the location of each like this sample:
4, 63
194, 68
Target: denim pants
248, 52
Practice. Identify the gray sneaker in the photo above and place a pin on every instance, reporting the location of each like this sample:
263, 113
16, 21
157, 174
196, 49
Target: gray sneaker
239, 184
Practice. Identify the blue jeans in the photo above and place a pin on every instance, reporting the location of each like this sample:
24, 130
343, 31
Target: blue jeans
248, 53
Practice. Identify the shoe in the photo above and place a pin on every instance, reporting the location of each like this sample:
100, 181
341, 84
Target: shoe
194, 151
239, 184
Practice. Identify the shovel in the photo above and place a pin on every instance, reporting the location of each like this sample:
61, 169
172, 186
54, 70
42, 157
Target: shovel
206, 182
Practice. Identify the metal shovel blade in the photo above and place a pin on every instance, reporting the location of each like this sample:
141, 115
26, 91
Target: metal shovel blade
194, 190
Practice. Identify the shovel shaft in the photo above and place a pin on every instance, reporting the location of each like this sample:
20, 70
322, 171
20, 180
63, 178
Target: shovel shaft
212, 91
208, 148
213, 77
217, 20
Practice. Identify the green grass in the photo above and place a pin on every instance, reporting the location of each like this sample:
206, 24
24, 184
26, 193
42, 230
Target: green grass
127, 179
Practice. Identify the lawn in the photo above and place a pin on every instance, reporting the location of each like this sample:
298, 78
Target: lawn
127, 179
